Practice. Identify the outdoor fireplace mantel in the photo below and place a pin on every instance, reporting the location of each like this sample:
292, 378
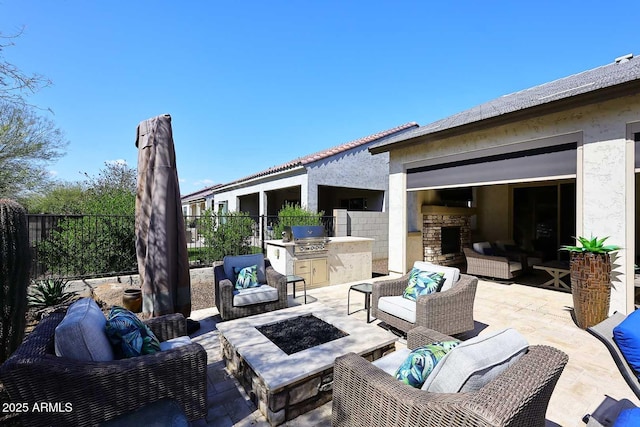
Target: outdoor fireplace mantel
447, 210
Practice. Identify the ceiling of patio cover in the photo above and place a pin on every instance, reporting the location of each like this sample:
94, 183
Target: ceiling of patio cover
527, 165
161, 245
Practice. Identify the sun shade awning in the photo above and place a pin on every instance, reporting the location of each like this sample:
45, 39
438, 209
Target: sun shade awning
534, 164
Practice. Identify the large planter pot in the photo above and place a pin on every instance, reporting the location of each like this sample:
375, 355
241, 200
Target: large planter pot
590, 287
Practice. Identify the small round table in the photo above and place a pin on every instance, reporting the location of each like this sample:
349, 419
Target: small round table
366, 289
292, 278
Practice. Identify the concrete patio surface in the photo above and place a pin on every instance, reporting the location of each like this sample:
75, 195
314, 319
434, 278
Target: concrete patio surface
543, 316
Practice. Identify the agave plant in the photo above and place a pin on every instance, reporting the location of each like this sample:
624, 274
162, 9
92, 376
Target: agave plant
50, 292
593, 245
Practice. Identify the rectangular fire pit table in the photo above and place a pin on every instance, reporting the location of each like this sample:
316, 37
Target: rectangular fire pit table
284, 386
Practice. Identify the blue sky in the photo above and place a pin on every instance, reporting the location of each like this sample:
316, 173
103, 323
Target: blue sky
253, 84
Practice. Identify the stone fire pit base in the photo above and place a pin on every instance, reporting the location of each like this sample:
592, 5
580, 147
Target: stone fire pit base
285, 386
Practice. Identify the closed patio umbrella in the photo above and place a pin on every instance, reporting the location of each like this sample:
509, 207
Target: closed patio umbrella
161, 245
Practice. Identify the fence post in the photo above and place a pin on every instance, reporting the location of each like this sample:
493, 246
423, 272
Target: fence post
263, 226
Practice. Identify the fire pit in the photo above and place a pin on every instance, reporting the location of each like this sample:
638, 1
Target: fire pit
283, 385
300, 333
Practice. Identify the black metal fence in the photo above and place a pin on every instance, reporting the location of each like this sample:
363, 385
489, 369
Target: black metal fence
83, 246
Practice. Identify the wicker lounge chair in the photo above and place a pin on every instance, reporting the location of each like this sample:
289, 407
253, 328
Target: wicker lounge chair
604, 332
225, 288
364, 395
450, 311
498, 267
100, 391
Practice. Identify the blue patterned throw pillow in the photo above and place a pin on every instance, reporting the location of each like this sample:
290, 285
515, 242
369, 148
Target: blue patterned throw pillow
421, 361
422, 283
129, 336
246, 277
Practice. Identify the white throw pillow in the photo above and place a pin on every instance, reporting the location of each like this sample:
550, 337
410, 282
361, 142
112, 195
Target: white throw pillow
476, 362
481, 246
82, 335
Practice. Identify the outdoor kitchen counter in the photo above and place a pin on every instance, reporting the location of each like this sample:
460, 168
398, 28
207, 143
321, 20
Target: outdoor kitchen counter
348, 258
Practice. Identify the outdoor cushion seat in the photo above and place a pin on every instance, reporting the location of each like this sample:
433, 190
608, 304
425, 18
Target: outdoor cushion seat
366, 395
81, 334
257, 295
450, 310
390, 362
398, 306
233, 303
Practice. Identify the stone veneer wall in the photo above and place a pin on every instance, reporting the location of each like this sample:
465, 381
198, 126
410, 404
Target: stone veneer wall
279, 406
431, 237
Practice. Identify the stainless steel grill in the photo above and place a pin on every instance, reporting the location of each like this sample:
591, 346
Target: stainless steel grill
310, 240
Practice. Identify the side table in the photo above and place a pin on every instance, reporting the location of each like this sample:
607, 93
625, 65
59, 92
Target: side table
292, 278
366, 289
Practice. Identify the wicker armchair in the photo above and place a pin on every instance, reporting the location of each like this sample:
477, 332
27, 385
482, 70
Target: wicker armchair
499, 267
364, 395
99, 391
450, 311
224, 292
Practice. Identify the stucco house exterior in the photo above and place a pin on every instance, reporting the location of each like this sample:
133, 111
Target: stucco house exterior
346, 176
194, 204
537, 166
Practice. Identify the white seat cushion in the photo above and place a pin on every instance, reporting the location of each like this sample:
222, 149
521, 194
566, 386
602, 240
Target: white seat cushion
82, 333
257, 295
392, 361
398, 306
175, 343
451, 274
476, 362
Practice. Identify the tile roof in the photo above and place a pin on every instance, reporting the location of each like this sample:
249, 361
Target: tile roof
627, 70
305, 160
200, 194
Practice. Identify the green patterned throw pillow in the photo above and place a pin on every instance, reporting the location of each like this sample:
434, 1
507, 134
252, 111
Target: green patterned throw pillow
246, 277
129, 336
421, 361
422, 283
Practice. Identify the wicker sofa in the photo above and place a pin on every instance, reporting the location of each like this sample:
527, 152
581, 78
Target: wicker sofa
494, 266
93, 392
449, 311
365, 395
225, 292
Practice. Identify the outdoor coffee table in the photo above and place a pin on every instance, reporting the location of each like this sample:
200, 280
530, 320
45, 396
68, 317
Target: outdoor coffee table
558, 270
284, 386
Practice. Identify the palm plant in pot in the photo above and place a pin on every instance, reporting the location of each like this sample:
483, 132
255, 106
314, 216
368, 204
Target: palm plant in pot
591, 279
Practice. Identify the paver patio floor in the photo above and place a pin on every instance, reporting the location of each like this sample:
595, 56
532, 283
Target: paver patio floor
543, 316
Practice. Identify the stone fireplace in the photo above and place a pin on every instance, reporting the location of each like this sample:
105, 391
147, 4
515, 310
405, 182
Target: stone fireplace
445, 231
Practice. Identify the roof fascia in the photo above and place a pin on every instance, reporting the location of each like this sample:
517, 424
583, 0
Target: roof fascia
245, 183
592, 97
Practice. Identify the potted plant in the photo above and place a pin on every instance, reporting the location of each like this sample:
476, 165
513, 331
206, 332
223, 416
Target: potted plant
590, 279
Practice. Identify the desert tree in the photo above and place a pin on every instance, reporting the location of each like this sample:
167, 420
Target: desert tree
28, 144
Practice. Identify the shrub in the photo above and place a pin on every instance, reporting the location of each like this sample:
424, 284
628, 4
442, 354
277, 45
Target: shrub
228, 234
291, 214
50, 292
